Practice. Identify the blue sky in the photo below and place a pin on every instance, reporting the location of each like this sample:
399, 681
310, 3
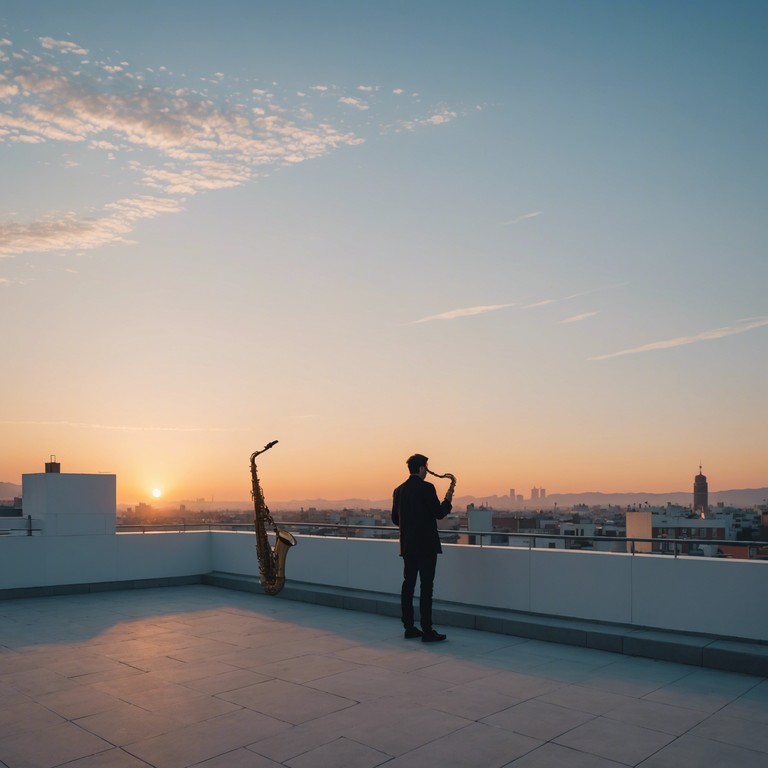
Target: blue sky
525, 238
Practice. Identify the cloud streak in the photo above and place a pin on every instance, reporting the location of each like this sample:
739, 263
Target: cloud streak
579, 318
741, 326
525, 216
547, 302
454, 314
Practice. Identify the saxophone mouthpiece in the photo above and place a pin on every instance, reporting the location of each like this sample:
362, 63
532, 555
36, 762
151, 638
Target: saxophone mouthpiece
269, 445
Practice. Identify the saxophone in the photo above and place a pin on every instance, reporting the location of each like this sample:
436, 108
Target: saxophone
271, 562
449, 492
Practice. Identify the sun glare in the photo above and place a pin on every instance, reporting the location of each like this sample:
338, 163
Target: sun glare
157, 493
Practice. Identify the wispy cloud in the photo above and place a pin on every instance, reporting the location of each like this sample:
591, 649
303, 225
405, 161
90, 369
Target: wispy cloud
578, 318
173, 137
437, 117
453, 314
353, 102
65, 46
525, 216
547, 302
66, 232
741, 326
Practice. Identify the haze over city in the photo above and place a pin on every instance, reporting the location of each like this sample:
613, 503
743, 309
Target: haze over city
526, 239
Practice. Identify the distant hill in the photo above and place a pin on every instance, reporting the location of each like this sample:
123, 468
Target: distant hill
743, 497
9, 491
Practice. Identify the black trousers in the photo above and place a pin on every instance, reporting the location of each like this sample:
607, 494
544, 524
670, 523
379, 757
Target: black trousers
424, 567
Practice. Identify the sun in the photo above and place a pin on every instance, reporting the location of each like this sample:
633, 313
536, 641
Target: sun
157, 493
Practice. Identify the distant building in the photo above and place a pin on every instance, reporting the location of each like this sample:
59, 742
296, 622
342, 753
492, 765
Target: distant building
534, 493
700, 495
542, 493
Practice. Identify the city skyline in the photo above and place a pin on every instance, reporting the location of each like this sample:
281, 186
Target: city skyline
524, 239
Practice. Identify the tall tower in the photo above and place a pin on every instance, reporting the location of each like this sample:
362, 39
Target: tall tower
700, 495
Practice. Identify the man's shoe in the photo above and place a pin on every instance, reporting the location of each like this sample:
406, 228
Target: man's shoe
432, 637
412, 632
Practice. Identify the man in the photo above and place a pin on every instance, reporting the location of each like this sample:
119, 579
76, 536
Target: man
416, 510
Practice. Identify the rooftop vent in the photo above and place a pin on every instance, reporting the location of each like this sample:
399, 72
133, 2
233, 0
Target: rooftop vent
52, 466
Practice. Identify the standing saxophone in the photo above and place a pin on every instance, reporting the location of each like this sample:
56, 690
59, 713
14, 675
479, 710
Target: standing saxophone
449, 492
271, 562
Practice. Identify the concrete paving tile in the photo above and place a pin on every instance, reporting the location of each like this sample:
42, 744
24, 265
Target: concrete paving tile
129, 684
51, 747
83, 663
111, 758
590, 700
287, 701
552, 651
196, 743
340, 753
565, 670
614, 740
733, 730
301, 738
488, 747
409, 659
517, 684
692, 697
226, 681
467, 702
694, 752
9, 697
656, 716
752, 706
193, 671
369, 682
160, 697
204, 651
636, 677
26, 717
78, 702
304, 669
538, 719
457, 671
239, 758
37, 682
553, 755
126, 724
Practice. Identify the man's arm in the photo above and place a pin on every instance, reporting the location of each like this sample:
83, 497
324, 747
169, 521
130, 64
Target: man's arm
396, 508
439, 509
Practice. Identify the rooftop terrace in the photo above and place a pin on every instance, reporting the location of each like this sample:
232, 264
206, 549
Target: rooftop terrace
203, 676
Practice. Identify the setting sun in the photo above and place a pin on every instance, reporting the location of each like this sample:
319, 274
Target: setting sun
157, 493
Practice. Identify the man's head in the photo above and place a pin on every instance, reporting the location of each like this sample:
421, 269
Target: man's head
415, 463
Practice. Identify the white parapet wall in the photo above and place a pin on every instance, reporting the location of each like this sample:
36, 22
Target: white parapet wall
697, 595
50, 561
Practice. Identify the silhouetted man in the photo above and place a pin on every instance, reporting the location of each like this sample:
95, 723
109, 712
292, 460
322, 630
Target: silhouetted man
416, 510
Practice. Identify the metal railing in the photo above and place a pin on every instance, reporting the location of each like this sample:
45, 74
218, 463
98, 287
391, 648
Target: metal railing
632, 545
28, 528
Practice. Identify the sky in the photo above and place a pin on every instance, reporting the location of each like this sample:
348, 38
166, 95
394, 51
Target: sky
525, 238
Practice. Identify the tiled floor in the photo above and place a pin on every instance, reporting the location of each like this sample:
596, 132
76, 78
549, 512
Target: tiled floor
204, 676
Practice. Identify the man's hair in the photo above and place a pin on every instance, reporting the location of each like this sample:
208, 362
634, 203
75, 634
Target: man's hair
415, 463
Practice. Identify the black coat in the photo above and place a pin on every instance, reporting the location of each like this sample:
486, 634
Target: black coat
416, 510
